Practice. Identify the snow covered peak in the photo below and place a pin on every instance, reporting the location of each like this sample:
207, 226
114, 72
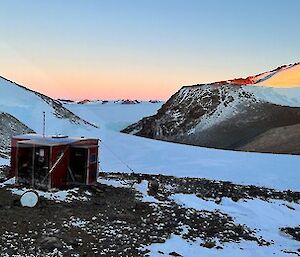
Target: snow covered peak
280, 86
283, 76
289, 76
266, 78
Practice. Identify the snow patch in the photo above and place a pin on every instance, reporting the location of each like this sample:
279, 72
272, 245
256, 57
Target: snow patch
4, 161
142, 188
77, 222
113, 182
59, 196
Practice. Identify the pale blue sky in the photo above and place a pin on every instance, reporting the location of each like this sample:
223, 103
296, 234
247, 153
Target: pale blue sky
142, 49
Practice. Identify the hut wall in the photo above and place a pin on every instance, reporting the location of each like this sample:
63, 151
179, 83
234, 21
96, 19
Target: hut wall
60, 172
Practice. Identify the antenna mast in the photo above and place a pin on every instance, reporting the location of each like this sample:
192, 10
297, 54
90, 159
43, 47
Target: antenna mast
44, 123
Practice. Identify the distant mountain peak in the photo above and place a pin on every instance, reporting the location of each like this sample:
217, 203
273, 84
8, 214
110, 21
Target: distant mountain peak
285, 72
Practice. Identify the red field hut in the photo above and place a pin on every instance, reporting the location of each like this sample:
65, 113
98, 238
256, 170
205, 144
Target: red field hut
54, 161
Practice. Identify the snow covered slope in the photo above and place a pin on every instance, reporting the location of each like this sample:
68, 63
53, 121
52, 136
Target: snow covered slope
157, 157
283, 76
113, 115
226, 114
28, 107
280, 96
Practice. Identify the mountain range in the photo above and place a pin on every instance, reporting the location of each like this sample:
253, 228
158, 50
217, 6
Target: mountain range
249, 114
259, 113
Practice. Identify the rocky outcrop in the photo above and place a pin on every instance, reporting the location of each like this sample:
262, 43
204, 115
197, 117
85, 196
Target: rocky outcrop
219, 115
10, 126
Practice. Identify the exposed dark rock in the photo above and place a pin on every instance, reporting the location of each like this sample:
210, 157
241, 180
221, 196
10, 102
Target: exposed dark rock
174, 254
153, 187
10, 126
85, 101
66, 100
208, 244
293, 232
51, 243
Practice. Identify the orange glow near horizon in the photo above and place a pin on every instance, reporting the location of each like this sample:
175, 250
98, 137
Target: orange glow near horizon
78, 86
123, 84
106, 83
78, 80
115, 77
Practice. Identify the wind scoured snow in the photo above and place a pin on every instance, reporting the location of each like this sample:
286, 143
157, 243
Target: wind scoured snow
156, 157
77, 222
140, 188
8, 182
279, 96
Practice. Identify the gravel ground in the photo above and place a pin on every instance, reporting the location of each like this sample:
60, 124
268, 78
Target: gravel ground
116, 221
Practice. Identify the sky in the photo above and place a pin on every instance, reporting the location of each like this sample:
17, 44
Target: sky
142, 49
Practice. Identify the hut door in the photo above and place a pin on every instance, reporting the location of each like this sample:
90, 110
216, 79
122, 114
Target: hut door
25, 165
78, 164
41, 166
33, 165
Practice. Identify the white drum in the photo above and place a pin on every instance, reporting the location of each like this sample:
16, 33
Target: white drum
29, 199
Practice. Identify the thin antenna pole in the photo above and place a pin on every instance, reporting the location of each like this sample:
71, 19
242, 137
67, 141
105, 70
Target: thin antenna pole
44, 123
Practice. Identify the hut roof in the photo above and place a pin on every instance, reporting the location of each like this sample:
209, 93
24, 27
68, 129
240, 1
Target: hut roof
36, 139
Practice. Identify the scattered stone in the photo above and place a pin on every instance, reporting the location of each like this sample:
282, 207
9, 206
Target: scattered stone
113, 222
208, 244
51, 243
175, 254
153, 187
290, 207
294, 232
